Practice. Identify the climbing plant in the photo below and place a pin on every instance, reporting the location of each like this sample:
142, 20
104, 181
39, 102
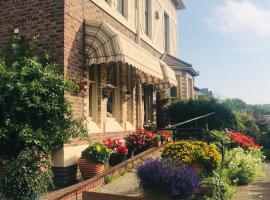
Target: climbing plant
33, 109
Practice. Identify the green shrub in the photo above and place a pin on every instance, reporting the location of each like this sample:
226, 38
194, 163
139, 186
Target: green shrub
26, 177
195, 108
189, 152
222, 185
221, 135
34, 111
97, 153
244, 166
156, 139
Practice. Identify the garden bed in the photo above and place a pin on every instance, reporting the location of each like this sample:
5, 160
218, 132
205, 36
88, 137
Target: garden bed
75, 191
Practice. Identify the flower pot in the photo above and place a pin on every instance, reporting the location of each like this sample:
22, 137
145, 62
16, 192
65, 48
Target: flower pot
205, 189
155, 194
130, 153
116, 159
157, 144
89, 169
198, 168
170, 139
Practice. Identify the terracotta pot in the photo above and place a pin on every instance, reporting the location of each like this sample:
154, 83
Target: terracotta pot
89, 169
170, 139
206, 189
198, 168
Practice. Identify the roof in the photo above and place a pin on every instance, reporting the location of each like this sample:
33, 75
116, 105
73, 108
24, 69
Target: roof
196, 88
179, 4
177, 64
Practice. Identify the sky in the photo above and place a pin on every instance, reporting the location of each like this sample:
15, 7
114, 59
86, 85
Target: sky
228, 42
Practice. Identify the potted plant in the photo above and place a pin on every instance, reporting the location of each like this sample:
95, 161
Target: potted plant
119, 155
164, 136
157, 140
93, 160
118, 149
107, 90
139, 141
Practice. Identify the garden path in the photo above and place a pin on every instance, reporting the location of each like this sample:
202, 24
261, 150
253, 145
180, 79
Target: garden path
127, 185
256, 191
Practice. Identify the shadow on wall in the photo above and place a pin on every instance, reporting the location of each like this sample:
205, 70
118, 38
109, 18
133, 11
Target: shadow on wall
74, 62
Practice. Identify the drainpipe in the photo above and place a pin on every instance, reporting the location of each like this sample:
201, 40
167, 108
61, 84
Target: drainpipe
138, 32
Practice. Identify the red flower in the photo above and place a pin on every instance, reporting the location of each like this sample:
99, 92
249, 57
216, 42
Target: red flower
243, 140
122, 150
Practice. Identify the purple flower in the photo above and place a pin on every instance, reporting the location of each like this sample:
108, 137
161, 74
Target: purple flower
162, 175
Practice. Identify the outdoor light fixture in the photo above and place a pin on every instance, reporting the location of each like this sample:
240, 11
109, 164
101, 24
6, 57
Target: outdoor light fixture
107, 90
16, 31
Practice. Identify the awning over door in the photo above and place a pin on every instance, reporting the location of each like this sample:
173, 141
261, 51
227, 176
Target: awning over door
104, 44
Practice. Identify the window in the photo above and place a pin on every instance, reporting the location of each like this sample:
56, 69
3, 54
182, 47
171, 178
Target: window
112, 81
146, 17
190, 88
148, 103
93, 74
166, 32
120, 6
173, 91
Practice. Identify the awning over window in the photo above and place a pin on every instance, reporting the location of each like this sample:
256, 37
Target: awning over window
168, 74
104, 44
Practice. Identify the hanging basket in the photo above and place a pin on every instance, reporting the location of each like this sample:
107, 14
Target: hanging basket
89, 169
107, 91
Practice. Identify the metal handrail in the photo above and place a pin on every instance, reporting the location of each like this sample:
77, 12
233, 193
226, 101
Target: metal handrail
190, 120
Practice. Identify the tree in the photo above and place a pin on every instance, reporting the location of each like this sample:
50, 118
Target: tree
185, 110
34, 111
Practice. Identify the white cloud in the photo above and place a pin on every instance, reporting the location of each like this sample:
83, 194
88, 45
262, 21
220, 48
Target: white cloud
241, 19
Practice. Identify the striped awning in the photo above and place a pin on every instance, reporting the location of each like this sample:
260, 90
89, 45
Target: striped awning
104, 44
168, 74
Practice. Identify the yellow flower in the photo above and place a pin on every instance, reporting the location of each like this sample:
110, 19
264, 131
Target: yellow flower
98, 148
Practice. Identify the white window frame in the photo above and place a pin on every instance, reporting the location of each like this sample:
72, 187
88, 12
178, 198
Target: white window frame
93, 99
116, 94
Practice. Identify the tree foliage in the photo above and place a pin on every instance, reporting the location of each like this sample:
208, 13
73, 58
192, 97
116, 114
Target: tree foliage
234, 114
185, 110
34, 111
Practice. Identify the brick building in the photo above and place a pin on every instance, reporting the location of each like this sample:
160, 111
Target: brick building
185, 76
115, 46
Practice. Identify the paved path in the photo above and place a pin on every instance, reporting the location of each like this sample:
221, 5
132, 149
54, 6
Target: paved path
257, 191
127, 185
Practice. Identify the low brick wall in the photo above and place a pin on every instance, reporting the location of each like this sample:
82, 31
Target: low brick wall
74, 192
101, 196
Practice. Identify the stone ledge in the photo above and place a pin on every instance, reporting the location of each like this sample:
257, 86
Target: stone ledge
75, 191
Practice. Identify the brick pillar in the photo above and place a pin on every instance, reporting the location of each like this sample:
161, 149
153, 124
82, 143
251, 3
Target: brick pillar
123, 89
102, 102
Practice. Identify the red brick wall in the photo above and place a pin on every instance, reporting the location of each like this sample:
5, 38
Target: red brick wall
32, 17
75, 13
60, 26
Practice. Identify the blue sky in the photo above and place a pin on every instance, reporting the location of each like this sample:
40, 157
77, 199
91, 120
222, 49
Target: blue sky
228, 42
